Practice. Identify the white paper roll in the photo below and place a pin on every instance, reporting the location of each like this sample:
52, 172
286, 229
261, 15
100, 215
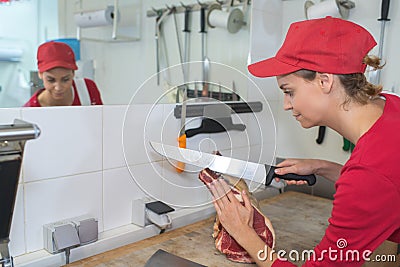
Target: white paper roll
323, 9
10, 54
95, 18
232, 21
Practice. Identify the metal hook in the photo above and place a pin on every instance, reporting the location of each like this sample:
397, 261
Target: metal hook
185, 6
219, 2
157, 11
201, 4
170, 8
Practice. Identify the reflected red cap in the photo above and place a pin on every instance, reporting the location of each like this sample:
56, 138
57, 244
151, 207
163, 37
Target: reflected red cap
55, 54
330, 45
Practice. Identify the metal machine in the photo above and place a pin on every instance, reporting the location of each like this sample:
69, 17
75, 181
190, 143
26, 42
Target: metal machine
12, 142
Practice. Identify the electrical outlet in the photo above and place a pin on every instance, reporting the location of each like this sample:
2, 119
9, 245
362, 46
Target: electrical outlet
55, 233
68, 233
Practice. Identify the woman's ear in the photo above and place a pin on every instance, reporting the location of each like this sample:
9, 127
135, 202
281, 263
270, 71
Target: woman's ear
40, 74
326, 82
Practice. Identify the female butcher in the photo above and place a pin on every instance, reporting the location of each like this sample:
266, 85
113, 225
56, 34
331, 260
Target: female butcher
56, 65
320, 70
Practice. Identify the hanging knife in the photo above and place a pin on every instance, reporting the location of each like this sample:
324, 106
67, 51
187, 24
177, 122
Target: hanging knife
255, 172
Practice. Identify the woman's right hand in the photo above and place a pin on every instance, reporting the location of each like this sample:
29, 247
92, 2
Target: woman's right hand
297, 166
327, 169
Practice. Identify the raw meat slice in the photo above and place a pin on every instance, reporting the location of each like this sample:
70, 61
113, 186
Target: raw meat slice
262, 225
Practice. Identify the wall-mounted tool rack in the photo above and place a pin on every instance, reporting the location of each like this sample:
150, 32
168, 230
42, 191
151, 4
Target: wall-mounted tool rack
180, 8
197, 109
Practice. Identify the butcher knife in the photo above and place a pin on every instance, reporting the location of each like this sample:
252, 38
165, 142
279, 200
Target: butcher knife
254, 172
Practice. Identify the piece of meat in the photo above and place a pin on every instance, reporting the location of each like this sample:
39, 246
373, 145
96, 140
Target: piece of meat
261, 224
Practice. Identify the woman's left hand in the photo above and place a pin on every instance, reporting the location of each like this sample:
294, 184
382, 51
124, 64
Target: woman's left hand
234, 217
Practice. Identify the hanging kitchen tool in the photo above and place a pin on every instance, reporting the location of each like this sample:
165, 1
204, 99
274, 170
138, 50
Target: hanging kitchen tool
204, 58
321, 135
375, 76
178, 40
217, 119
234, 95
182, 135
159, 20
347, 145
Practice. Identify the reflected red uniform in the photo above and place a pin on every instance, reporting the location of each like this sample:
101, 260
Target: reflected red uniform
94, 94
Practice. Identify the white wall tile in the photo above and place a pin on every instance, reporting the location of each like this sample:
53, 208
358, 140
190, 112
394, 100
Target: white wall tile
143, 123
17, 231
183, 189
70, 142
52, 200
119, 190
9, 114
113, 118
149, 178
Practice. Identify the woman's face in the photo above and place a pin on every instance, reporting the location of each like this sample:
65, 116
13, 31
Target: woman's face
58, 82
304, 98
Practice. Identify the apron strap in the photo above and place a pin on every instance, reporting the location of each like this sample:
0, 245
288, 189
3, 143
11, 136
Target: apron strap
83, 92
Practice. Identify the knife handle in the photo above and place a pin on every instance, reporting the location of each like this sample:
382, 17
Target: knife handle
384, 10
310, 179
180, 166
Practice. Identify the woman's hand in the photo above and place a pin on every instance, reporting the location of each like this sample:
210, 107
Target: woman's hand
327, 169
234, 217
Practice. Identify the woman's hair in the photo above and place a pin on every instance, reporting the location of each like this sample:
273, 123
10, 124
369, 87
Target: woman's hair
356, 86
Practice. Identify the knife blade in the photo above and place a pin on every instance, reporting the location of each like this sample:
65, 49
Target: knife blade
254, 172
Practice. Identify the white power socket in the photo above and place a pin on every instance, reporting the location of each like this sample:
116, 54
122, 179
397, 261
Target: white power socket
71, 232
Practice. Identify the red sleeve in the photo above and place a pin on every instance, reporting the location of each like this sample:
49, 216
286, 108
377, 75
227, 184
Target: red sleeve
362, 218
94, 93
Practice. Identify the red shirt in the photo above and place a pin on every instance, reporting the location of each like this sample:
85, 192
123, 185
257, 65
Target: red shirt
94, 94
366, 203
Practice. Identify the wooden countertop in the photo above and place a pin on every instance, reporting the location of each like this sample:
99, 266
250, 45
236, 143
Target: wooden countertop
299, 221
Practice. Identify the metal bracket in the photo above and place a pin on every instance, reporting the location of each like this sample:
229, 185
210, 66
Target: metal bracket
197, 110
197, 6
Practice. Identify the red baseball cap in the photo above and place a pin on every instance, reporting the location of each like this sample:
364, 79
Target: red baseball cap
330, 45
55, 54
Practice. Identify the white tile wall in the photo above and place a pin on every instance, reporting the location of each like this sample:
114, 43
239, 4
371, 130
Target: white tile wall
70, 142
52, 200
120, 189
143, 123
183, 189
9, 114
113, 118
17, 236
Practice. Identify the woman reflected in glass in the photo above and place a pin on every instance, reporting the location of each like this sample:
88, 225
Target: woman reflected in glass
57, 66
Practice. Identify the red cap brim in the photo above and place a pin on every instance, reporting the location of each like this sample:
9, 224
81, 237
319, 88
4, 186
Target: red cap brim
57, 64
271, 67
